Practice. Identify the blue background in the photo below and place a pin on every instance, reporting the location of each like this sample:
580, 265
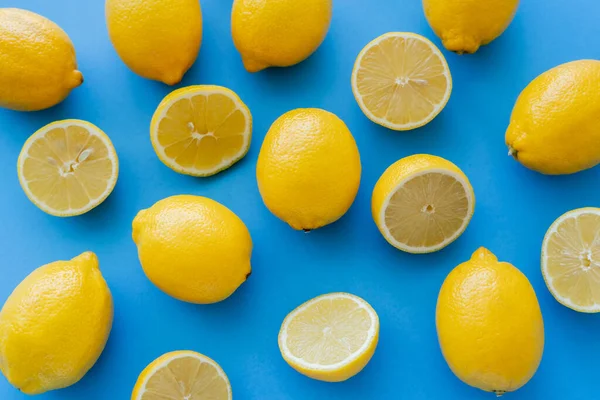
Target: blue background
514, 207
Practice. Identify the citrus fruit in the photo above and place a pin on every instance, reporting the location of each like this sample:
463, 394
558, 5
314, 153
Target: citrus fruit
422, 203
156, 39
68, 167
571, 257
29, 41
201, 130
182, 375
489, 324
54, 325
465, 25
308, 169
193, 248
278, 33
401, 81
331, 337
554, 127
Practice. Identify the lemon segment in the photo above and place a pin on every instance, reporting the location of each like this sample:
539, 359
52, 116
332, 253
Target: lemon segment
571, 259
182, 375
68, 167
401, 81
331, 337
201, 130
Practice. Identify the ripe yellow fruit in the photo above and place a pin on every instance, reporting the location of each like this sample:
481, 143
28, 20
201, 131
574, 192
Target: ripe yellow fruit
422, 203
331, 337
156, 39
465, 25
554, 127
182, 375
54, 325
38, 68
308, 169
489, 324
278, 33
193, 248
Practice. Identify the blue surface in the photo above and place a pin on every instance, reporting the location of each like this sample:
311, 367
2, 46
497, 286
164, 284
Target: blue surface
514, 208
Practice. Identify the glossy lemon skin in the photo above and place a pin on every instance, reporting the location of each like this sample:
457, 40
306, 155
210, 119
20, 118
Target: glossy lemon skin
278, 33
489, 324
55, 324
157, 40
27, 42
193, 248
554, 127
308, 168
465, 25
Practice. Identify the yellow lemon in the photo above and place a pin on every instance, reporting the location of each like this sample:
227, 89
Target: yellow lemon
68, 167
193, 248
554, 127
571, 257
308, 169
278, 33
331, 337
401, 81
465, 25
182, 375
156, 39
55, 324
38, 68
489, 324
201, 130
422, 203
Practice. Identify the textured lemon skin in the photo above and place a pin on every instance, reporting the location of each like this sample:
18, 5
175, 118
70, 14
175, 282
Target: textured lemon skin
38, 68
489, 324
400, 171
55, 324
308, 168
193, 248
278, 33
465, 25
157, 40
554, 127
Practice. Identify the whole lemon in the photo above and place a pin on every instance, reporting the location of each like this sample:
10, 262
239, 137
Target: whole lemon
489, 324
55, 324
465, 25
308, 169
193, 248
555, 126
278, 33
38, 68
156, 39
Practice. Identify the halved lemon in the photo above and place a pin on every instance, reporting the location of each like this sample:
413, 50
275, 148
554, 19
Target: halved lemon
68, 167
422, 203
571, 259
331, 337
401, 81
201, 130
182, 375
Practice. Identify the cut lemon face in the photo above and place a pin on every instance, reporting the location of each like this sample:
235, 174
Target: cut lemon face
331, 337
571, 259
422, 203
201, 130
68, 167
182, 375
401, 81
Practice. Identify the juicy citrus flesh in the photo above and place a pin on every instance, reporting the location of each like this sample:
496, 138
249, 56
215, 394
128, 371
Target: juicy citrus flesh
401, 81
571, 259
68, 167
201, 130
427, 211
183, 375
